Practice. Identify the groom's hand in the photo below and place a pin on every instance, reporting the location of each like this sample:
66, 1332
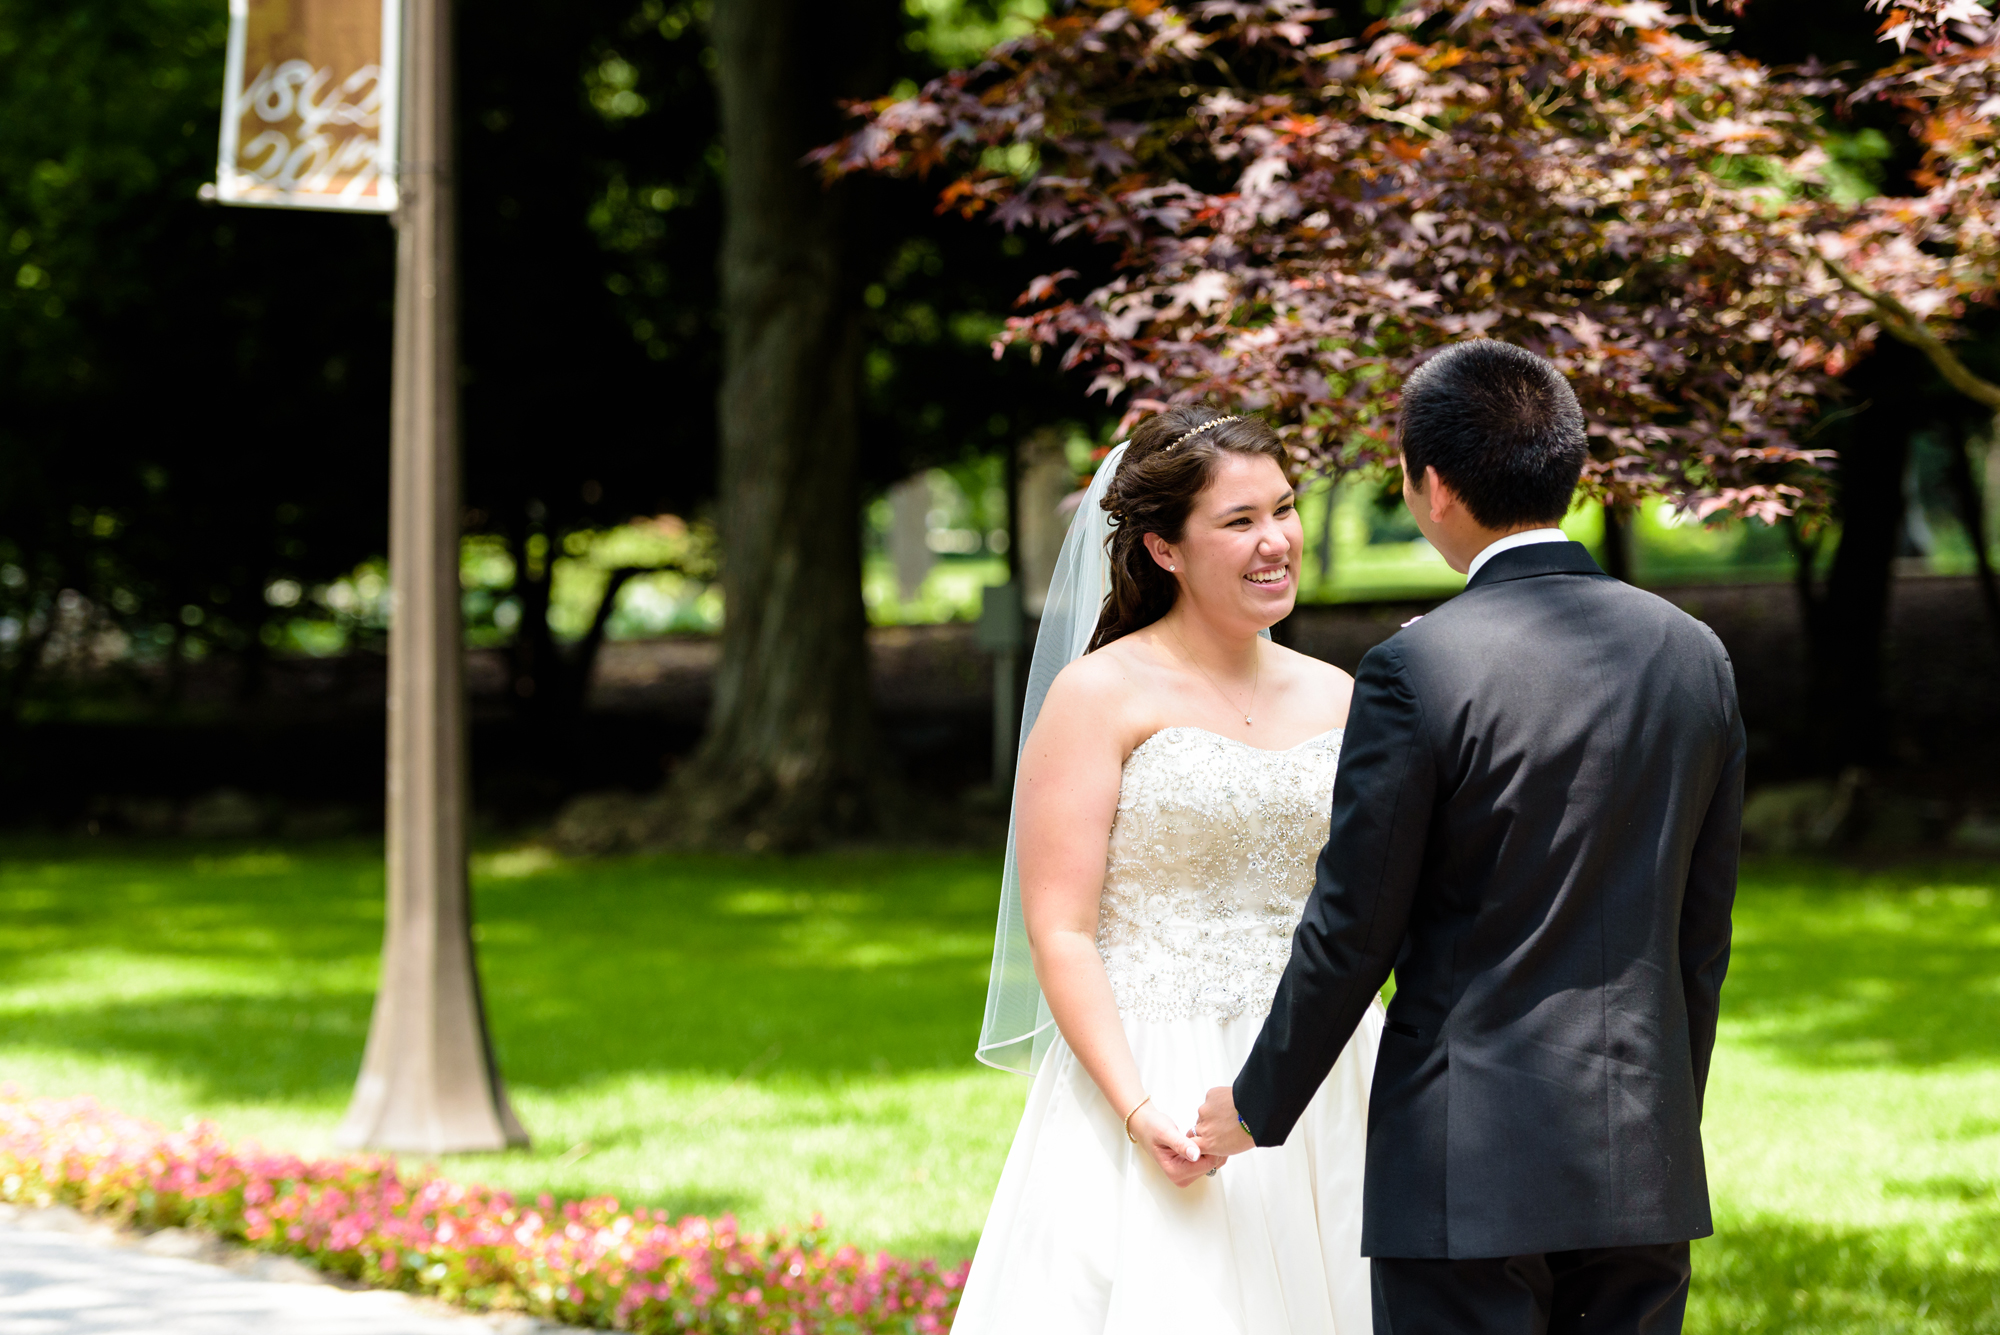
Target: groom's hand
1217, 1131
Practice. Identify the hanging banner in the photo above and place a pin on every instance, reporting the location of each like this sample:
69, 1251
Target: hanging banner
309, 105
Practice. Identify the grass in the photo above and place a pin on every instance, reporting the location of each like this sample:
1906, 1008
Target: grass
1853, 1118
766, 1037
779, 1037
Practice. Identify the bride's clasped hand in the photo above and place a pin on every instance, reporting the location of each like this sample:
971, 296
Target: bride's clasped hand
1173, 1149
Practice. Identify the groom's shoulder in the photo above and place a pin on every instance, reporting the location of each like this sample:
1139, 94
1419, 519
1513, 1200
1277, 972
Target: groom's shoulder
1490, 616
1638, 608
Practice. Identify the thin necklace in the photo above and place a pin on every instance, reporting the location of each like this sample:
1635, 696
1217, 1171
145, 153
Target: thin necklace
1256, 676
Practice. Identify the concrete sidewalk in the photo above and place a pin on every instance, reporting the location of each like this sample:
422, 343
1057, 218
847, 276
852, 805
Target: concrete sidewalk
62, 1274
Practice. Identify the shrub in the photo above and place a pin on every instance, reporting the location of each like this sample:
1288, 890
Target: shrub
585, 1262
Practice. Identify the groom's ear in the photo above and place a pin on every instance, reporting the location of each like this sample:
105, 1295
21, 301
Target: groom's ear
1421, 485
1437, 494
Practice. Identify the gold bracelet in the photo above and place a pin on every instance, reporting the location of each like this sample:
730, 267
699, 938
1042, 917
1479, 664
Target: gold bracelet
1134, 1113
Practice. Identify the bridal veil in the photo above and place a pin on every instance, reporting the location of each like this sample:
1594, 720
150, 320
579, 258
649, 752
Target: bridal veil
1018, 1028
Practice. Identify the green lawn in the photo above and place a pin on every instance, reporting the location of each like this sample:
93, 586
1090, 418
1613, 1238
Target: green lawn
778, 1037
1853, 1118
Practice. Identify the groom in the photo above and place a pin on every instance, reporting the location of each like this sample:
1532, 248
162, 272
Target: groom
1535, 825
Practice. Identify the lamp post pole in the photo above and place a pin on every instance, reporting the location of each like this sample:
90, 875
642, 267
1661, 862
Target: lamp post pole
428, 1080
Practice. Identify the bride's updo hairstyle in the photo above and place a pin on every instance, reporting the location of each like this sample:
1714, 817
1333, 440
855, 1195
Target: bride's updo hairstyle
1170, 460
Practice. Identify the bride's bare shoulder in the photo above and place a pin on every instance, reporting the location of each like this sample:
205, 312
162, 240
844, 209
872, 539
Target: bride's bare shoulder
1098, 691
1317, 680
1095, 680
1310, 671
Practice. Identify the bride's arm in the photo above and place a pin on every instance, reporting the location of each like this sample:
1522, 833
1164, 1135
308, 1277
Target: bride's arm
1064, 802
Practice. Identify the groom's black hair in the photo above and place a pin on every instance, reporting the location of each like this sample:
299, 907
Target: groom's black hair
1502, 428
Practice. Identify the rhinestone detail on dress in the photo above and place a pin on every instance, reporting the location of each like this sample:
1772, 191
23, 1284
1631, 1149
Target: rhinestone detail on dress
1212, 854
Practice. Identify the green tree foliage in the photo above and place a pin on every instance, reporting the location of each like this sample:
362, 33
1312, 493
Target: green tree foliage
196, 398
587, 233
192, 397
592, 216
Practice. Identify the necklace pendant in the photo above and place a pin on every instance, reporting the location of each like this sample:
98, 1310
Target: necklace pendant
1246, 720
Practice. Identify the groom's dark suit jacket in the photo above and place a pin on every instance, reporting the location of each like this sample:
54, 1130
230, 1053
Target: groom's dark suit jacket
1535, 823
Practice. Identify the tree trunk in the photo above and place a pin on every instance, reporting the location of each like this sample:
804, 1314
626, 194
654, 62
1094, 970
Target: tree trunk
1859, 605
1618, 541
580, 664
175, 685
1847, 622
790, 749
535, 664
1972, 514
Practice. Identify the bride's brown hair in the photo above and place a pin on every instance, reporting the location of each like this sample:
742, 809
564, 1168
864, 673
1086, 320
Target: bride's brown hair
1172, 457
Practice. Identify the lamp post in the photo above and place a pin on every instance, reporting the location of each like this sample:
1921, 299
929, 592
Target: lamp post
428, 1080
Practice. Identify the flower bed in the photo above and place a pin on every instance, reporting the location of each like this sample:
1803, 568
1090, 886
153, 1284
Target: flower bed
586, 1262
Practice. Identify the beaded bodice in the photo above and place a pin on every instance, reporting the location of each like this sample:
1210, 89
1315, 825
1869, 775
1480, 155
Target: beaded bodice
1211, 861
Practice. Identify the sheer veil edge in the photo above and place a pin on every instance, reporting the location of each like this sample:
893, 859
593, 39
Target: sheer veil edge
1018, 1028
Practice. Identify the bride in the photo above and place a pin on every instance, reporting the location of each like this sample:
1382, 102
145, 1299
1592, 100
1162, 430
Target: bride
1174, 790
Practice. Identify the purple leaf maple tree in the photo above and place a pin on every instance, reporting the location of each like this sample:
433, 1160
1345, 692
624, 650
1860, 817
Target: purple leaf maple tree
1919, 261
1298, 221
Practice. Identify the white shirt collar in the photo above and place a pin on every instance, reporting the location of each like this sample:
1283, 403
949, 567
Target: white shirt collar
1526, 538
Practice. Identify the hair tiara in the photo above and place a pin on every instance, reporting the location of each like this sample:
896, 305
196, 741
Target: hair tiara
1118, 511
1190, 435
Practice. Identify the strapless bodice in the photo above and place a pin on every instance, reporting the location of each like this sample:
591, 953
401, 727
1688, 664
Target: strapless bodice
1212, 854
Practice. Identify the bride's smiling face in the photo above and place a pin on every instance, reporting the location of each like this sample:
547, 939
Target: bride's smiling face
1238, 556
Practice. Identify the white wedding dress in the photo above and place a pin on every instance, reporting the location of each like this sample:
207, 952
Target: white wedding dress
1211, 861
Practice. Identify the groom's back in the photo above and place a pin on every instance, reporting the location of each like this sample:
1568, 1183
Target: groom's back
1549, 1036
1534, 827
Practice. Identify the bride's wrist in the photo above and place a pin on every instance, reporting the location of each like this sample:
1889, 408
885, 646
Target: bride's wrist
1135, 1105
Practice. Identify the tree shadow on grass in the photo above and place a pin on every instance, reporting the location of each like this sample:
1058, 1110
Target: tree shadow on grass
699, 1020
1771, 1275
226, 1047
843, 965
1905, 973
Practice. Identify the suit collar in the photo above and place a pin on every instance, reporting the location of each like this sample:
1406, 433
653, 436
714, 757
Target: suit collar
1541, 558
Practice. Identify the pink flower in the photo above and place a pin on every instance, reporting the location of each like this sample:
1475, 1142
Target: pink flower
359, 1215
